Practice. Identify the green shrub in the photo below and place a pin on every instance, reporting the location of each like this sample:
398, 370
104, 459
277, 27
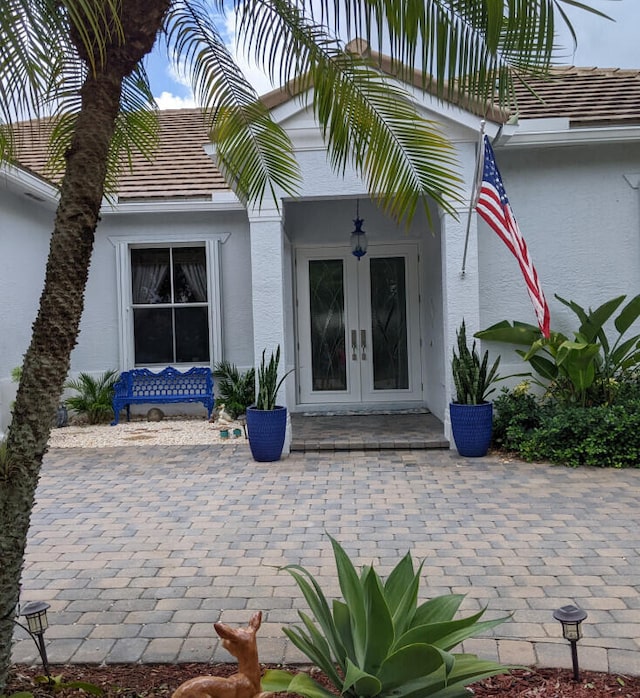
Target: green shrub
515, 414
378, 641
603, 436
94, 398
234, 389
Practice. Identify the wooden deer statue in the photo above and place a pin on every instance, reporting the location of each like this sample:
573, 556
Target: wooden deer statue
241, 643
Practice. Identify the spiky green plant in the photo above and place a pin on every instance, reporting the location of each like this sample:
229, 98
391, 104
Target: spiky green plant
268, 383
234, 389
378, 642
472, 381
95, 396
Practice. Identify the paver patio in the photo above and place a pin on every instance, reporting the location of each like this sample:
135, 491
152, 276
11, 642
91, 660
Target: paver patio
140, 549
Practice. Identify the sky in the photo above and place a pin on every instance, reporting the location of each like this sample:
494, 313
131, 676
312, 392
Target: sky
601, 43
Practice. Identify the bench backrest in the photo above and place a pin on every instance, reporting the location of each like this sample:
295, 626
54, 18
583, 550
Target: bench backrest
140, 382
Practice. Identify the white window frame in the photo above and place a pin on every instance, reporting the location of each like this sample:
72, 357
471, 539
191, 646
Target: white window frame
123, 245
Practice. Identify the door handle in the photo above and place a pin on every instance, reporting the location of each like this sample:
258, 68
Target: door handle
363, 344
354, 345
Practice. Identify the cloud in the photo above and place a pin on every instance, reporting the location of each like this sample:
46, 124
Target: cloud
250, 70
167, 100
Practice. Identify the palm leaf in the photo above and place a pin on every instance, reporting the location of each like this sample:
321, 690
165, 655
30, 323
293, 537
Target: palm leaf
253, 153
368, 121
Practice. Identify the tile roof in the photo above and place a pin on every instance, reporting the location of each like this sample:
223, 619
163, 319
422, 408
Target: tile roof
182, 170
585, 96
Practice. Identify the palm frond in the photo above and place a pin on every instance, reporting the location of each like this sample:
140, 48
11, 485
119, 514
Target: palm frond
368, 120
460, 47
40, 68
254, 154
137, 129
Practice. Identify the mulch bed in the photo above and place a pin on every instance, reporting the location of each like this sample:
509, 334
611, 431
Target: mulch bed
160, 680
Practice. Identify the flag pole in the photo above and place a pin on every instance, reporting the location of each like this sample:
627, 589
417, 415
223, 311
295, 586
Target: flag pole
474, 194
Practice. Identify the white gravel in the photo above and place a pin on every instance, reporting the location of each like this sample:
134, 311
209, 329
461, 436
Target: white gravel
182, 431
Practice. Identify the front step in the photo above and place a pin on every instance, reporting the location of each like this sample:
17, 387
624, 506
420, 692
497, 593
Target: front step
349, 432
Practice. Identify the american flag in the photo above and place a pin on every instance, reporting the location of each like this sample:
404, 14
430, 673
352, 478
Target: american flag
493, 205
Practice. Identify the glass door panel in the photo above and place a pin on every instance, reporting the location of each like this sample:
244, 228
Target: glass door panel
389, 323
327, 316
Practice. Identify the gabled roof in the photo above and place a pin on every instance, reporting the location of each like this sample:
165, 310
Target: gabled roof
182, 170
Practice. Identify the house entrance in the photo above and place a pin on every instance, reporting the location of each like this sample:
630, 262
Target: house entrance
358, 325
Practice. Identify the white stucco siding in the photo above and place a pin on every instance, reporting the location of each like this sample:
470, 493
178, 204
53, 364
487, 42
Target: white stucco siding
97, 347
25, 230
320, 180
435, 368
330, 222
580, 219
237, 316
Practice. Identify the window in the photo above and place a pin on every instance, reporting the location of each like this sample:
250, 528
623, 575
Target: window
170, 305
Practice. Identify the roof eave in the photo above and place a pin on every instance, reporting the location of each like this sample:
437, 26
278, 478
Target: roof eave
531, 133
29, 184
219, 201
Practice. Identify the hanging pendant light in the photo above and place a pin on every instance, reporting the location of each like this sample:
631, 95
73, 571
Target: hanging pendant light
358, 236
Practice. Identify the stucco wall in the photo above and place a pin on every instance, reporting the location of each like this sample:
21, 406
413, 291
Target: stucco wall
25, 228
432, 319
24, 239
579, 217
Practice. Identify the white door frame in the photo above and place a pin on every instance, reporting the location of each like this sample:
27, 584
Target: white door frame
359, 364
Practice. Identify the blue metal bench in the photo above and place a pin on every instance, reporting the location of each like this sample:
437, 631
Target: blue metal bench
140, 385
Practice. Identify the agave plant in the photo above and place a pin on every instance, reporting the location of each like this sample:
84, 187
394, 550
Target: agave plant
471, 379
95, 396
234, 389
378, 641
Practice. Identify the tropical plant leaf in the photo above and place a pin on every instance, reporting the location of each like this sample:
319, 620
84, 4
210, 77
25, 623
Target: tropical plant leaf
360, 683
379, 617
279, 681
438, 609
628, 315
409, 663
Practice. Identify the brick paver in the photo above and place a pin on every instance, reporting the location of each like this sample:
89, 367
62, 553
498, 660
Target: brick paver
138, 550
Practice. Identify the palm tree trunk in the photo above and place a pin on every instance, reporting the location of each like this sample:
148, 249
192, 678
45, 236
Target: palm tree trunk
55, 330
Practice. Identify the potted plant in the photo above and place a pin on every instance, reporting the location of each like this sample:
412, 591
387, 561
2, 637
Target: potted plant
266, 421
471, 412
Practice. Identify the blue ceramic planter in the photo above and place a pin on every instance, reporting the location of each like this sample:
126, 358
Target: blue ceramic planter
266, 431
472, 427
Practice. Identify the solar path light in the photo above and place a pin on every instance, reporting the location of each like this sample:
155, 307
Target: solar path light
571, 617
35, 613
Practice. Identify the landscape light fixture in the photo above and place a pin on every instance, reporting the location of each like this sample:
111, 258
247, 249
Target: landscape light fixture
571, 617
35, 613
358, 236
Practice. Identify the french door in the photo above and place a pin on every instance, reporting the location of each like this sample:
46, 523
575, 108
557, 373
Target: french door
358, 325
